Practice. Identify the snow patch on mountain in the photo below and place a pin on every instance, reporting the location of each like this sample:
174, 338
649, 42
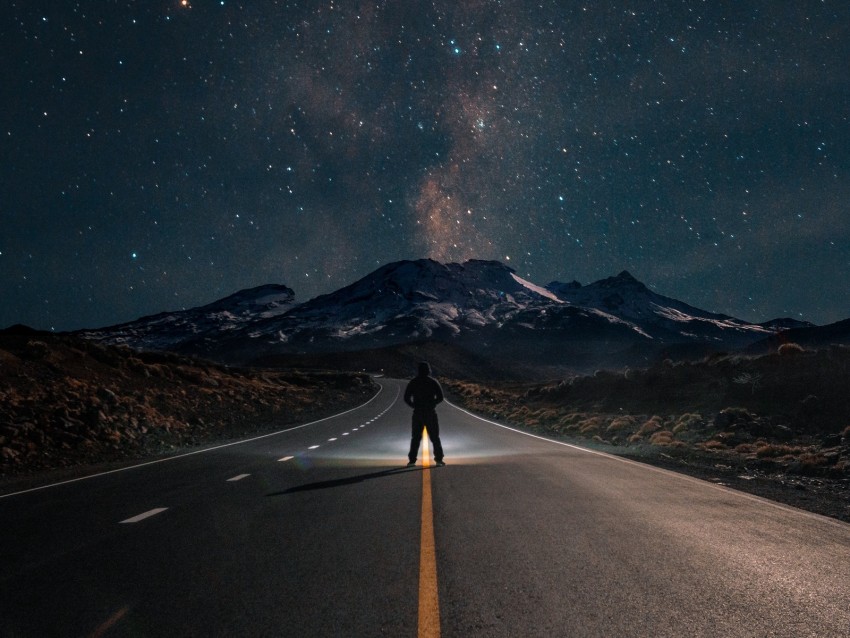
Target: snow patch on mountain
536, 289
728, 323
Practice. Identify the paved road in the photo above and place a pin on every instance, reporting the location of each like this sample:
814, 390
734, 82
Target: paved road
530, 538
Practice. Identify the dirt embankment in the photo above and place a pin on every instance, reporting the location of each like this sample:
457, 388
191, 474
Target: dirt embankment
777, 425
66, 402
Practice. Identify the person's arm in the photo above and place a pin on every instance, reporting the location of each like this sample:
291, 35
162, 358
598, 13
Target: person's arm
438, 392
408, 394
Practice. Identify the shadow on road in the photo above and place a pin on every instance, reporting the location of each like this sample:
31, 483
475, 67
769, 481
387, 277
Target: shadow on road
323, 485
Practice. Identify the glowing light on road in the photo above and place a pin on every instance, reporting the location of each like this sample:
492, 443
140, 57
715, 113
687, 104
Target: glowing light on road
429, 603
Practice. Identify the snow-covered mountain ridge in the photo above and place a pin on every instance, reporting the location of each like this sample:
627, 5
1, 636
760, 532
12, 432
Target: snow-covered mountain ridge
170, 330
662, 317
483, 305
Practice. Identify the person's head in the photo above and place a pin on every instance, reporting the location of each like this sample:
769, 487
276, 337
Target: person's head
424, 369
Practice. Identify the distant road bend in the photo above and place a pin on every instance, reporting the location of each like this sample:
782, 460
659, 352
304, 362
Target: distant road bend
320, 530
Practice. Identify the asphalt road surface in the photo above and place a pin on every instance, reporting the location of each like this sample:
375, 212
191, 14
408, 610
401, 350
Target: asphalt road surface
322, 531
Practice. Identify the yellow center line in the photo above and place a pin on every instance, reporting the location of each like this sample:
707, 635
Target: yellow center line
429, 603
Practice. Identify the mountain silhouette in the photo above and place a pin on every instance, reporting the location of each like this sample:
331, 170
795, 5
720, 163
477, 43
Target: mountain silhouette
479, 306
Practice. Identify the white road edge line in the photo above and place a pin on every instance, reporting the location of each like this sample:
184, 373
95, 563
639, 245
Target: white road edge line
145, 515
238, 477
286, 458
204, 451
684, 477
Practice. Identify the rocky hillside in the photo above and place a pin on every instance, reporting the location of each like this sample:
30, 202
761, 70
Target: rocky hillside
777, 425
66, 401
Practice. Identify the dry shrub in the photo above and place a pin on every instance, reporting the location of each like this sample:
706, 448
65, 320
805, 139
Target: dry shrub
712, 445
569, 422
664, 437
520, 415
158, 370
773, 450
593, 424
654, 424
618, 423
570, 419
745, 448
687, 421
549, 414
192, 375
790, 349
521, 411
531, 421
812, 461
468, 390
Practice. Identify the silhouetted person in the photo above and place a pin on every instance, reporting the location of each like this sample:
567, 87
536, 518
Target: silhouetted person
423, 393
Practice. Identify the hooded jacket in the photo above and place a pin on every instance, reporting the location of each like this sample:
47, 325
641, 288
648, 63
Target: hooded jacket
423, 393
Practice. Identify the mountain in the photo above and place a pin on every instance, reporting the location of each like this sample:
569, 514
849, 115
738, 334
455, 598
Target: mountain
482, 308
422, 299
663, 318
174, 330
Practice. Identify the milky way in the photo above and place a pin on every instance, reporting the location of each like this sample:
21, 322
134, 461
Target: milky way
163, 154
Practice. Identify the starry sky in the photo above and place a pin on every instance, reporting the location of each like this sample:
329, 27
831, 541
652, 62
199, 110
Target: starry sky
161, 154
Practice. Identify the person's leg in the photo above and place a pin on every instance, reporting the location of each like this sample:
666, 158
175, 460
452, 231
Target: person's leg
434, 435
415, 438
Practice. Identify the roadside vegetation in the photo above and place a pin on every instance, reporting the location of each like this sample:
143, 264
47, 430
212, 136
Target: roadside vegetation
784, 416
65, 401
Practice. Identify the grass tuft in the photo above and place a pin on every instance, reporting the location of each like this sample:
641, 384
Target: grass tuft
790, 349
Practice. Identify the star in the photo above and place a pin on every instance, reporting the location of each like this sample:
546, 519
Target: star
603, 148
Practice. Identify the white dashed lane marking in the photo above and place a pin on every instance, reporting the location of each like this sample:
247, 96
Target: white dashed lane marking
145, 515
330, 440
238, 477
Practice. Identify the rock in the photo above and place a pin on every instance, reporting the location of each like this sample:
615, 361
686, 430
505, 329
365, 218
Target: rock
107, 395
782, 433
732, 417
831, 440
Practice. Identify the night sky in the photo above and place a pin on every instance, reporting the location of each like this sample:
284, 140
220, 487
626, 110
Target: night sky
160, 154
